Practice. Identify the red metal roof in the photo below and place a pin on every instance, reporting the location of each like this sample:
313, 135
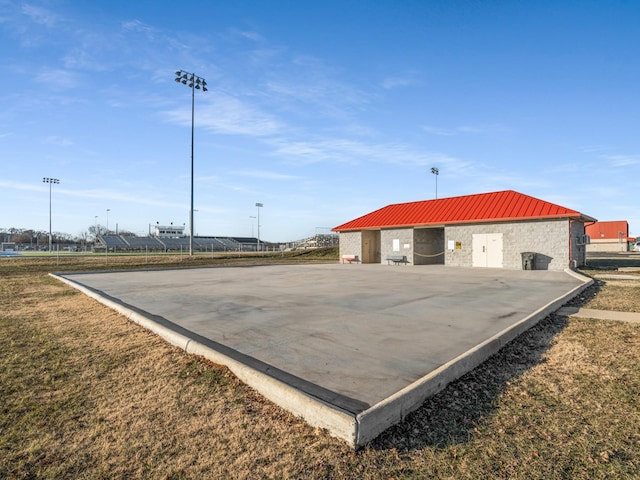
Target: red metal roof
485, 207
608, 230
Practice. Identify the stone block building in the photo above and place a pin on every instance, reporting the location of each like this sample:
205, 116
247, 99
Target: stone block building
504, 229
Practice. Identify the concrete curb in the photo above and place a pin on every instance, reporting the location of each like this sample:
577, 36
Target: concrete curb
314, 411
392, 410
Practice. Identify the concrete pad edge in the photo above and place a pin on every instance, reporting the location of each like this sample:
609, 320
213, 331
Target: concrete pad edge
172, 337
314, 411
373, 421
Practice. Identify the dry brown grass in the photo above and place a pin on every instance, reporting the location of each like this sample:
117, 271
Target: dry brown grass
93, 394
616, 294
127, 261
87, 394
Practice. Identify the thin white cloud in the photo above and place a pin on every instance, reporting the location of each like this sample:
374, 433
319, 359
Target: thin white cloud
85, 57
264, 55
30, 187
224, 114
247, 34
303, 81
464, 129
264, 174
622, 160
91, 194
355, 152
592, 149
326, 95
103, 195
58, 78
58, 141
470, 129
137, 25
40, 15
444, 132
400, 81
140, 27
441, 132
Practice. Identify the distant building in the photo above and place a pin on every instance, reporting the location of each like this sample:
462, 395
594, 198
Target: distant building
610, 236
484, 230
171, 231
8, 247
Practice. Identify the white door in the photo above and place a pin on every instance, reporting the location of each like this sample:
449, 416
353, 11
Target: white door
494, 250
486, 250
479, 250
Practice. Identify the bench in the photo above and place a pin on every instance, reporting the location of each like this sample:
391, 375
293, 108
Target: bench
397, 259
350, 258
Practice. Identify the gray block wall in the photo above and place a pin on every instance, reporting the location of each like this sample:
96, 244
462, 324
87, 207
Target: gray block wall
553, 241
549, 239
579, 251
404, 237
351, 244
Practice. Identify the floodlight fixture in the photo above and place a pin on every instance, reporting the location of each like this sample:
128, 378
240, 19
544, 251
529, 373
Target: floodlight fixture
436, 172
50, 181
194, 82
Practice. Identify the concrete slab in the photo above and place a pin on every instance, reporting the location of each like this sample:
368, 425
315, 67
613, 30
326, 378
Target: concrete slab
351, 348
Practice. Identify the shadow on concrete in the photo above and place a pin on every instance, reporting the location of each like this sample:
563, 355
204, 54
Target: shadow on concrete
542, 261
450, 417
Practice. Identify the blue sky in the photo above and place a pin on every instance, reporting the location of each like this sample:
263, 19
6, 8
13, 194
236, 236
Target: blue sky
322, 111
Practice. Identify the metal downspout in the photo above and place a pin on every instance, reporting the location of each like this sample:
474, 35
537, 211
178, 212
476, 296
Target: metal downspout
571, 243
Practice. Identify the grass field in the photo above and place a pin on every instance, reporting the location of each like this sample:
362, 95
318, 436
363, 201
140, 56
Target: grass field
86, 394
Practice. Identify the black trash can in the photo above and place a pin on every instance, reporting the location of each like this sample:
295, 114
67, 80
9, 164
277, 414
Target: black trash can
528, 261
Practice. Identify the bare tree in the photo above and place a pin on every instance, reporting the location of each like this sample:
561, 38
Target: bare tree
95, 230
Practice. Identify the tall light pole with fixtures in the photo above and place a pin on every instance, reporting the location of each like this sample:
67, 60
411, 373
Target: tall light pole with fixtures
259, 206
436, 172
195, 83
50, 181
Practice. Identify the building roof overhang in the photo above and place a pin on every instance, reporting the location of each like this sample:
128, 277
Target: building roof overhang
503, 206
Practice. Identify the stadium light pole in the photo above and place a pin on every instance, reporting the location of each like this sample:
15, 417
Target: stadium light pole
50, 181
259, 206
436, 172
195, 83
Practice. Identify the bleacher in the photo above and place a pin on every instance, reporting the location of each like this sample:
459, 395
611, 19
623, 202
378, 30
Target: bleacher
180, 243
202, 244
143, 243
247, 244
209, 243
317, 241
113, 242
229, 243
